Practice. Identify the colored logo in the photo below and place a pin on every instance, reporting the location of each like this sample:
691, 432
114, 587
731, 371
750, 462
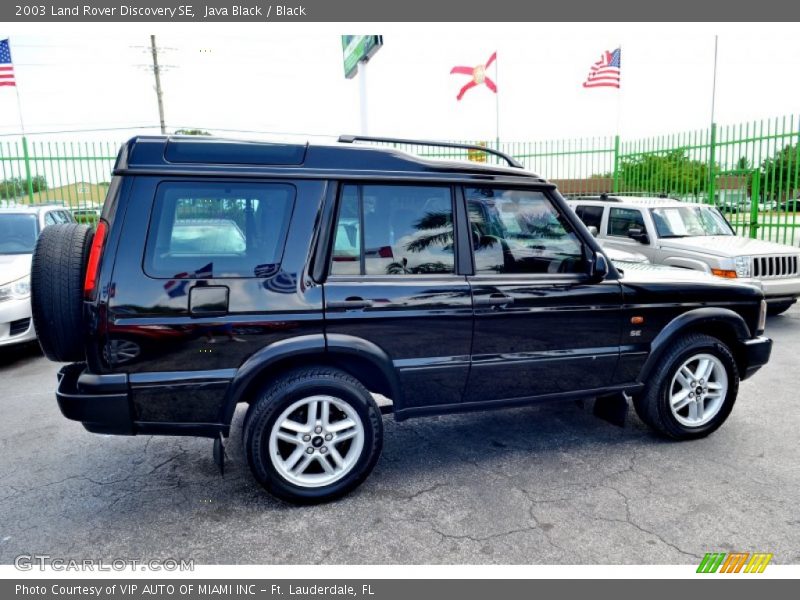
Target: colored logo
735, 562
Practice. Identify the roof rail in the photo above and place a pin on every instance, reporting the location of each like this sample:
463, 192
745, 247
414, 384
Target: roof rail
603, 196
512, 162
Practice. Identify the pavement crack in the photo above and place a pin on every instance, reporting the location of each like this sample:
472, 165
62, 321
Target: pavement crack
421, 492
167, 461
472, 538
633, 523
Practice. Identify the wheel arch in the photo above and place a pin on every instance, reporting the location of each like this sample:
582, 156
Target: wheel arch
358, 357
724, 324
682, 262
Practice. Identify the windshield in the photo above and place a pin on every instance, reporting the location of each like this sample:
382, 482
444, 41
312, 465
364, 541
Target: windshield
689, 221
17, 233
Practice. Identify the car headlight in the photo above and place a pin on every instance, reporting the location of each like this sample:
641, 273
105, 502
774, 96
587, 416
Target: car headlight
16, 290
743, 265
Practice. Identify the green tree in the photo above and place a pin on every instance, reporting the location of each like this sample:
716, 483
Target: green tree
39, 183
11, 187
780, 174
15, 187
192, 132
670, 173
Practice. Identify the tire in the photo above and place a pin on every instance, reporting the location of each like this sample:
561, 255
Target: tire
666, 387
57, 274
295, 470
779, 308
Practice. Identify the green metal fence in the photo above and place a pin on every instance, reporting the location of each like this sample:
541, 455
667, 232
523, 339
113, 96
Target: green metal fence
751, 171
71, 174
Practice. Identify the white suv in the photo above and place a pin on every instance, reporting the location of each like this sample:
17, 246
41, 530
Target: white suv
692, 236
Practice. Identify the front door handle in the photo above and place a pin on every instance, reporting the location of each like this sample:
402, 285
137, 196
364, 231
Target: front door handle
494, 300
350, 303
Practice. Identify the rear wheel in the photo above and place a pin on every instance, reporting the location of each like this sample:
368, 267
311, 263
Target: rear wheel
57, 274
692, 391
313, 435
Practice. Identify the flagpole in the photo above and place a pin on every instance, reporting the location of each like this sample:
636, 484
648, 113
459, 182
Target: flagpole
16, 92
712, 133
497, 102
714, 82
25, 155
619, 93
615, 180
19, 109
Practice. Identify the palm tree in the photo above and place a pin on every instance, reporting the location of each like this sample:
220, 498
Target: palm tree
436, 229
402, 268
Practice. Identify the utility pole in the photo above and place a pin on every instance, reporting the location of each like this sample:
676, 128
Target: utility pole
157, 73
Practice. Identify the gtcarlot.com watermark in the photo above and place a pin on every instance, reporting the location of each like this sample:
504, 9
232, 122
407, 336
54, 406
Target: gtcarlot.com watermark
45, 562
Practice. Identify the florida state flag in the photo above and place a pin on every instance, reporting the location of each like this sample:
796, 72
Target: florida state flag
478, 75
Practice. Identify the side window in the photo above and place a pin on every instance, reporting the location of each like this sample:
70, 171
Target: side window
621, 220
49, 219
591, 216
394, 230
520, 231
202, 230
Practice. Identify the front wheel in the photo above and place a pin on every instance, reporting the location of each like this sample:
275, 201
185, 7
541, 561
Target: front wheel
313, 435
692, 391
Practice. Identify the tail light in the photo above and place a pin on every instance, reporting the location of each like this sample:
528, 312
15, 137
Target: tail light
93, 264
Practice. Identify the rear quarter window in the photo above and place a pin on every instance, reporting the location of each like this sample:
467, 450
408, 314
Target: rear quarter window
201, 230
591, 216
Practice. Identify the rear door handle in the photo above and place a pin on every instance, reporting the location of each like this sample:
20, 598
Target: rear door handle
350, 303
494, 300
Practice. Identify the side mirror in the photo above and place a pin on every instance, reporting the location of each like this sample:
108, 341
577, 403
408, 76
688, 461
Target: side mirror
638, 234
593, 230
598, 269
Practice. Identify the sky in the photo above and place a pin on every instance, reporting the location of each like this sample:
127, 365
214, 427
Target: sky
272, 79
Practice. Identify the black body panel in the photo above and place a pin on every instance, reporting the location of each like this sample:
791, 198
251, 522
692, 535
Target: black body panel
552, 336
424, 326
153, 316
175, 355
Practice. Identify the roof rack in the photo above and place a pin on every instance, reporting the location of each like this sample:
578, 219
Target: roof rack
512, 162
604, 196
638, 198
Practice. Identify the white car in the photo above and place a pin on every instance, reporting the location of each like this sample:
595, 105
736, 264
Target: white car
19, 229
693, 236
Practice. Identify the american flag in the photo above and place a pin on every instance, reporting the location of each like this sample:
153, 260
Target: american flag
605, 72
6, 67
176, 287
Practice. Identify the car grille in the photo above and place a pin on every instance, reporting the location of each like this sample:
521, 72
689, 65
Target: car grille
4, 295
766, 267
19, 327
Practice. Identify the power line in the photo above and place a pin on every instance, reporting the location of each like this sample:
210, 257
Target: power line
29, 133
213, 129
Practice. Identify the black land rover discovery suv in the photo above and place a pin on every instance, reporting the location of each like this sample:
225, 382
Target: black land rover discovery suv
305, 280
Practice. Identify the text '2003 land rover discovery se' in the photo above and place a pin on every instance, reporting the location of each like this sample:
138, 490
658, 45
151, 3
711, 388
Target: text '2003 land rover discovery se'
305, 279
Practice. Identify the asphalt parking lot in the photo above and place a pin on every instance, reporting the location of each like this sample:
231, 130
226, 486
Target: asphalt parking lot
546, 484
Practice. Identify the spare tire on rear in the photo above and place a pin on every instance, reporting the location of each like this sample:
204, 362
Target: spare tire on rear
57, 274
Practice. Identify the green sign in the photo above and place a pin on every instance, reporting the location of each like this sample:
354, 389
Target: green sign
358, 48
